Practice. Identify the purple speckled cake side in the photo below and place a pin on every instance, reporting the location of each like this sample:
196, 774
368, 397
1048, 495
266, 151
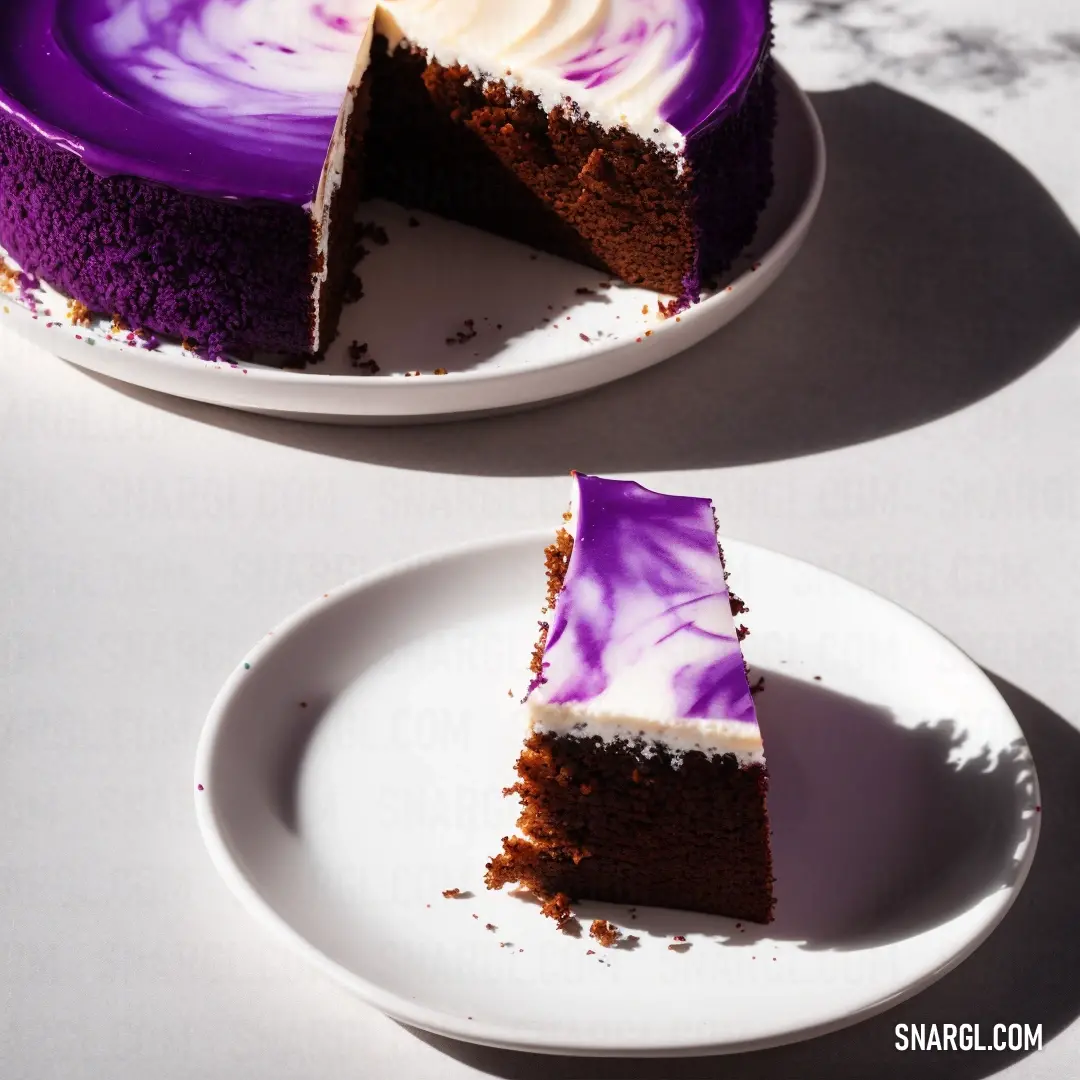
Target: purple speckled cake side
226, 275
732, 178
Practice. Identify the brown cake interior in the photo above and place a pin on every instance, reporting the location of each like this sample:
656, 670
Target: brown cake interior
550, 179
602, 821
632, 823
341, 254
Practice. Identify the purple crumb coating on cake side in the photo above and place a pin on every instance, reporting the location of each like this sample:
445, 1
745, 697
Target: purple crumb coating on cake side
645, 597
731, 170
223, 274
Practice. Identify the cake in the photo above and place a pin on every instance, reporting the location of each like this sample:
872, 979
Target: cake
195, 166
643, 778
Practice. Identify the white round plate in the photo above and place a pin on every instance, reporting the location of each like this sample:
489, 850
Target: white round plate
541, 328
351, 770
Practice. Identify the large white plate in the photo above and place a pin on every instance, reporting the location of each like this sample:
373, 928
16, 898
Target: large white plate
351, 770
527, 312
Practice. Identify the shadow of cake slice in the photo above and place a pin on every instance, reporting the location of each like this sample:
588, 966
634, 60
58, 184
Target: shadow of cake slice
643, 779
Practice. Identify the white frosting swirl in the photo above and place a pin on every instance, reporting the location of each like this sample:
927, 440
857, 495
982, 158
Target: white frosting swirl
227, 63
233, 63
618, 59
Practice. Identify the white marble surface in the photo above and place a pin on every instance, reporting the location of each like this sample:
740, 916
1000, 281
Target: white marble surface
902, 408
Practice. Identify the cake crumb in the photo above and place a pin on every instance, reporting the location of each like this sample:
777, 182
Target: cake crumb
356, 352
118, 324
375, 233
440, 371
490, 926
817, 678
78, 314
604, 932
644, 309
451, 894
590, 952
584, 337
354, 289
679, 947
9, 277
463, 336
558, 908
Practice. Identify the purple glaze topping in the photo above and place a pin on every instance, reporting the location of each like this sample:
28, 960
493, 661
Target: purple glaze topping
238, 98
643, 625
160, 91
734, 41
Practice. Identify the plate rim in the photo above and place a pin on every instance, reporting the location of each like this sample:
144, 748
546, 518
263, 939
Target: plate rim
420, 399
230, 866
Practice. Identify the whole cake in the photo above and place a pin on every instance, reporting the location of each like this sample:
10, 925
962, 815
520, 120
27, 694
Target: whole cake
643, 777
194, 166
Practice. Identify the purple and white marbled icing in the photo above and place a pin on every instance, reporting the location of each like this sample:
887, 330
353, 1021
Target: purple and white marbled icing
643, 643
239, 98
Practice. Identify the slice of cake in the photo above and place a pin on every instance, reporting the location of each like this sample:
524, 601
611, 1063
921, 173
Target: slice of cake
195, 166
643, 777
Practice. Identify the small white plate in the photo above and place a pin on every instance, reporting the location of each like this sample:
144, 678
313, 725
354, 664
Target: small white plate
535, 336
351, 770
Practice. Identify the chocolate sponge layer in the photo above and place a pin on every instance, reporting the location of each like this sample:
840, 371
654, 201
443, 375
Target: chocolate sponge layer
630, 824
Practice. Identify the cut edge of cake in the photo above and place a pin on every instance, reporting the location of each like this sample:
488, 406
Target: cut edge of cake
579, 775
